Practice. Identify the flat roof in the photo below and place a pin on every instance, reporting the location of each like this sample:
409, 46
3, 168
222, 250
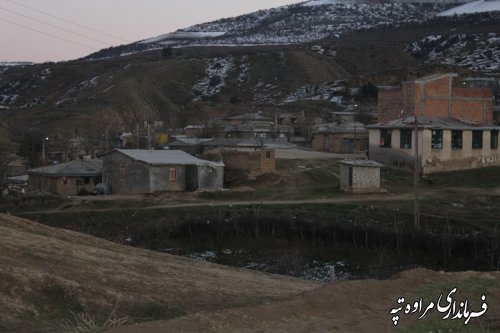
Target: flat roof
362, 163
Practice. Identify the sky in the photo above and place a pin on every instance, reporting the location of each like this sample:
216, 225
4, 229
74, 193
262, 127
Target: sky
28, 28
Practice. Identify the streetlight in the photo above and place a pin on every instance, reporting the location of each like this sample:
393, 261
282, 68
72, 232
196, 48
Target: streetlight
43, 148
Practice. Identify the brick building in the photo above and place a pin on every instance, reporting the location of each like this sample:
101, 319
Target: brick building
435, 96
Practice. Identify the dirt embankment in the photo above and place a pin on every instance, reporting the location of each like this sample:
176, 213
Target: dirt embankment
47, 275
355, 306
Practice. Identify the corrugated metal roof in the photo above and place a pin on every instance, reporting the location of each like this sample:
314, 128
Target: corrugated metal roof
165, 157
434, 123
435, 77
87, 168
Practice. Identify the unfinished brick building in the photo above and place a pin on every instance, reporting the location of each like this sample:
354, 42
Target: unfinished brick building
435, 96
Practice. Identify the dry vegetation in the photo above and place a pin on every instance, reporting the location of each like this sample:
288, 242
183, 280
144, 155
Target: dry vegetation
49, 276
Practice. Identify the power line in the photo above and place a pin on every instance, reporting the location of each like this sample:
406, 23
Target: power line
48, 34
67, 21
55, 26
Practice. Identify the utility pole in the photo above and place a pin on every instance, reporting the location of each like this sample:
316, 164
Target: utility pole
416, 178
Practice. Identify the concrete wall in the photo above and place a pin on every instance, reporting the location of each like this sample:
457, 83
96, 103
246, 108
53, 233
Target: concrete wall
136, 180
159, 178
434, 160
364, 179
199, 177
390, 156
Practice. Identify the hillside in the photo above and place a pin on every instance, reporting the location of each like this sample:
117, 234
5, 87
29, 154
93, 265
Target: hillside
81, 98
292, 24
47, 274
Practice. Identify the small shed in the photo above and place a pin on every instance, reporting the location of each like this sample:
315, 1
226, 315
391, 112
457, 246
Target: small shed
360, 176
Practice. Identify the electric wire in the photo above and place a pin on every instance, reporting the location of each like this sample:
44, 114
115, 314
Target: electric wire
48, 34
68, 21
55, 26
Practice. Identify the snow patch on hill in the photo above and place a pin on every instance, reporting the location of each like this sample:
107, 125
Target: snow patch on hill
300, 23
322, 2
473, 7
217, 70
476, 52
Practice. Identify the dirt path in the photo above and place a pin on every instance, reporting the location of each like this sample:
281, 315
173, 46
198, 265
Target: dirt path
213, 203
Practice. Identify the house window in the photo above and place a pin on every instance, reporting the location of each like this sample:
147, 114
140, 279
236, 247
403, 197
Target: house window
86, 180
173, 175
385, 138
268, 155
437, 139
477, 139
405, 138
123, 174
456, 139
494, 139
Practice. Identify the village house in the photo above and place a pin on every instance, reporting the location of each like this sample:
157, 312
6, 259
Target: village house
435, 96
259, 129
360, 176
192, 146
146, 171
349, 137
444, 144
245, 165
70, 178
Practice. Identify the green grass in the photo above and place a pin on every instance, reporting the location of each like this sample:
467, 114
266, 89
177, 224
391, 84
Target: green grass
481, 178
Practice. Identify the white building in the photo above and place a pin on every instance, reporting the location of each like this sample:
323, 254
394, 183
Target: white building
444, 144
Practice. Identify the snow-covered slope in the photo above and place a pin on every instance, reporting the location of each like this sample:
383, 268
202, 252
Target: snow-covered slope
303, 22
480, 6
478, 52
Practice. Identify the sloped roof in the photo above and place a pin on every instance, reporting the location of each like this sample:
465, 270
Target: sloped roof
433, 123
435, 77
86, 168
165, 157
